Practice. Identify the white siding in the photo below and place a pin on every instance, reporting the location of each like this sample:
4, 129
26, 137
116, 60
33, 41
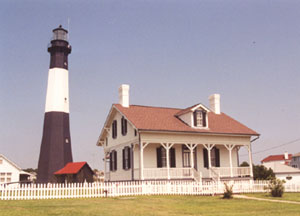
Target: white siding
118, 144
5, 168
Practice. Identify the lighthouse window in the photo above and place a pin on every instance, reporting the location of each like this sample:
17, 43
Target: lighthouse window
124, 126
114, 129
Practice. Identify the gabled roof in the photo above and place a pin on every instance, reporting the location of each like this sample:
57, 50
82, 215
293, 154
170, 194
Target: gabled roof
71, 168
191, 109
296, 155
164, 119
282, 168
12, 163
276, 158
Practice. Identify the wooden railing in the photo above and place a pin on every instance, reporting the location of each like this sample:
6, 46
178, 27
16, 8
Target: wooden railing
162, 173
236, 171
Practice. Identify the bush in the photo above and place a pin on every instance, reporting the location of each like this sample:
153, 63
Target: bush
227, 192
276, 187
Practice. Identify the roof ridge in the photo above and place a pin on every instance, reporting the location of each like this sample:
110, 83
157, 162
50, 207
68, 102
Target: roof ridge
154, 106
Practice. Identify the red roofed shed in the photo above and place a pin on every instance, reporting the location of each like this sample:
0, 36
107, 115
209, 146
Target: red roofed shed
75, 172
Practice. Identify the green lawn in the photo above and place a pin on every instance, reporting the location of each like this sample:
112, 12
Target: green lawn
286, 196
148, 205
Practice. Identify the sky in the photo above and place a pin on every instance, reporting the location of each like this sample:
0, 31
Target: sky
171, 53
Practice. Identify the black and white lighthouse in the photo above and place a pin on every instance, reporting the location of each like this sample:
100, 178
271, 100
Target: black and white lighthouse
55, 150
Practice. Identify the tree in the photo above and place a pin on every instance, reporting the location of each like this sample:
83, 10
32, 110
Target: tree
244, 164
260, 172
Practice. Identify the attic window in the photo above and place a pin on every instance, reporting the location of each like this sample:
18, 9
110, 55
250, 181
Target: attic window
199, 118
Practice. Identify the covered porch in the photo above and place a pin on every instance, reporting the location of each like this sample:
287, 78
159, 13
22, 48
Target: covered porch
189, 161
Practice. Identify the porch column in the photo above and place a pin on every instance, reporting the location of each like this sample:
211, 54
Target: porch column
105, 153
167, 146
209, 147
142, 146
141, 161
229, 148
250, 160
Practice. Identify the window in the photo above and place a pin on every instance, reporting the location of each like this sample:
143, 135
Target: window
186, 160
114, 129
106, 141
214, 157
161, 155
113, 160
8, 174
2, 174
1, 161
126, 158
199, 118
8, 180
124, 126
2, 179
135, 132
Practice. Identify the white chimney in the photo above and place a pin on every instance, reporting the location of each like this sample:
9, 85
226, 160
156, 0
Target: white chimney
214, 103
286, 156
124, 95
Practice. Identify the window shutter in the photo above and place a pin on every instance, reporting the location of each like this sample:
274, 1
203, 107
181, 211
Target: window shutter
217, 152
205, 157
123, 152
125, 126
195, 118
115, 153
116, 129
173, 157
158, 155
195, 158
110, 161
129, 157
204, 119
122, 126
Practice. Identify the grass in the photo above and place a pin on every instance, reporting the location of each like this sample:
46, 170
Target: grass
148, 205
286, 196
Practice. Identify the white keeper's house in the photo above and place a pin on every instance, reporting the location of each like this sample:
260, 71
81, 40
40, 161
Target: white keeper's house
159, 143
11, 173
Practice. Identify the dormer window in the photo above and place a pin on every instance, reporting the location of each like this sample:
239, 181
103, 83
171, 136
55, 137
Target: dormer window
199, 118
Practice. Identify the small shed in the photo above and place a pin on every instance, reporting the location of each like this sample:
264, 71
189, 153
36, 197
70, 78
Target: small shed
75, 172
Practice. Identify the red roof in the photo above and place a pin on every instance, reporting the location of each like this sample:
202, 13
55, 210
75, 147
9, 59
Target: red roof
276, 158
164, 119
71, 168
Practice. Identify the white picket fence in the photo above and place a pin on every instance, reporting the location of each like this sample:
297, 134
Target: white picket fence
130, 188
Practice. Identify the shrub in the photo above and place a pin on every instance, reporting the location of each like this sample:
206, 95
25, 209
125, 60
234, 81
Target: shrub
228, 192
276, 187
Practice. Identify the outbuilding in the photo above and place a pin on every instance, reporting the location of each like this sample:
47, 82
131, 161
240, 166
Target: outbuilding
75, 172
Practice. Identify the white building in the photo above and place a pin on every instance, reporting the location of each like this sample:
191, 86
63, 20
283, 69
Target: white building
10, 172
281, 159
147, 143
284, 172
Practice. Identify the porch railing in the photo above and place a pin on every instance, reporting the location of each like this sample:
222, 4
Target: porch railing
236, 171
162, 173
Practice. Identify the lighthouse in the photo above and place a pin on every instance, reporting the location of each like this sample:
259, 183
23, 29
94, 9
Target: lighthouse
55, 151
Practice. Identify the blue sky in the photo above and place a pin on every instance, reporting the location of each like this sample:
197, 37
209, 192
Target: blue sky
172, 53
